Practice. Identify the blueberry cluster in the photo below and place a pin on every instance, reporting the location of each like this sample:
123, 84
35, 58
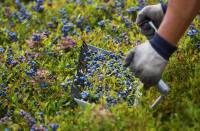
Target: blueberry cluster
28, 118
87, 29
17, 2
39, 6
101, 23
52, 24
12, 36
131, 10
3, 90
33, 69
36, 37
63, 13
10, 60
102, 68
119, 3
54, 126
192, 31
67, 28
2, 50
80, 23
22, 14
142, 2
43, 84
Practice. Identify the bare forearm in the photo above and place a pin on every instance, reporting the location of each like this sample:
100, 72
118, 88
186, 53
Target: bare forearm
179, 15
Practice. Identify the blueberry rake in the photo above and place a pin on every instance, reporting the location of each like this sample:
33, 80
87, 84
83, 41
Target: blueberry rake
161, 86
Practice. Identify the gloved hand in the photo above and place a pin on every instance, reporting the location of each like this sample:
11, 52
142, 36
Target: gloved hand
154, 13
149, 60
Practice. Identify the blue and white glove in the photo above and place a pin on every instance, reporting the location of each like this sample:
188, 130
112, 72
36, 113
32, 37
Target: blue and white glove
149, 60
154, 13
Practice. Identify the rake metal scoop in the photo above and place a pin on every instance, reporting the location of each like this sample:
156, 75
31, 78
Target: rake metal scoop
161, 86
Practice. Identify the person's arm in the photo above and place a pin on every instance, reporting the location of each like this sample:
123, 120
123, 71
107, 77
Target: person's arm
178, 17
149, 60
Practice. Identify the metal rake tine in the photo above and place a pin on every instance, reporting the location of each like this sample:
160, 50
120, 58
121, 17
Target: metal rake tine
153, 26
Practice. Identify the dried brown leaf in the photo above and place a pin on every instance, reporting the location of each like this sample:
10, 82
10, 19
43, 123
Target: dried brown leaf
66, 43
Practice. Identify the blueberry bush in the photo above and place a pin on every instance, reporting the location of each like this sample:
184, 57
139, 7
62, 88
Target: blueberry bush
41, 65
